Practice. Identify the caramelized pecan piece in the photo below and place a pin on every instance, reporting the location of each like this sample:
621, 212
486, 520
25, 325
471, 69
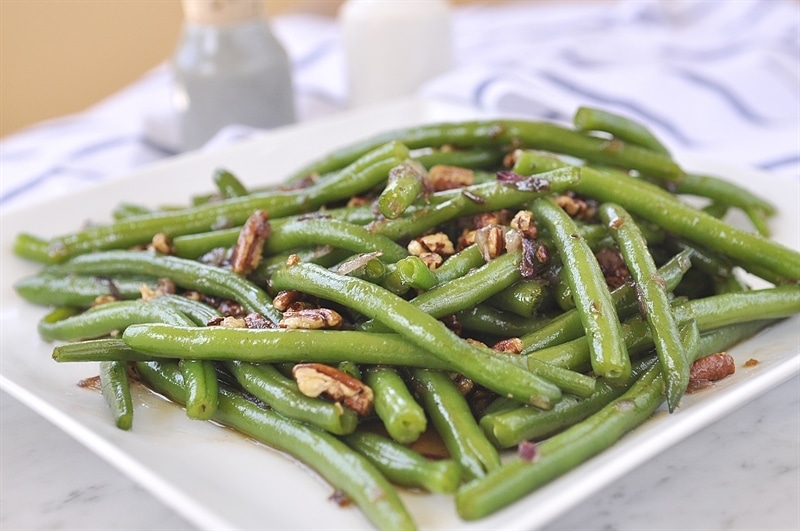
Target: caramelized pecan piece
314, 379
311, 319
709, 369
246, 254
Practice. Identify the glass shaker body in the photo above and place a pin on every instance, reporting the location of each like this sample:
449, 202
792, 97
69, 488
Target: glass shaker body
232, 73
392, 47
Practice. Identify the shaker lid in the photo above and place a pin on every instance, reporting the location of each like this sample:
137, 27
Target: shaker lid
220, 12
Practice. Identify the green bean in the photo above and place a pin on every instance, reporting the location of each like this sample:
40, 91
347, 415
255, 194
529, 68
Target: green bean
196, 244
486, 320
472, 200
32, 248
185, 273
651, 203
737, 307
464, 158
228, 185
333, 232
459, 264
758, 219
711, 312
464, 292
277, 345
569, 381
718, 210
566, 450
591, 295
509, 427
721, 191
405, 184
403, 418
98, 350
281, 394
322, 346
202, 388
452, 418
421, 329
324, 256
653, 299
405, 467
524, 298
361, 175
199, 312
621, 127
408, 273
331, 458
351, 368
366, 266
107, 318
506, 134
127, 210
115, 388
79, 291
568, 326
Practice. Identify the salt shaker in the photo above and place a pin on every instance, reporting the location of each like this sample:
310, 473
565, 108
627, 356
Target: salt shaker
228, 68
393, 46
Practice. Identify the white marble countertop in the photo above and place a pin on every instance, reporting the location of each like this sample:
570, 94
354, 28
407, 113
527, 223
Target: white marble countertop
742, 472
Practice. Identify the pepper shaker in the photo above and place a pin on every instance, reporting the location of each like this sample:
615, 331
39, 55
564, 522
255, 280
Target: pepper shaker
228, 68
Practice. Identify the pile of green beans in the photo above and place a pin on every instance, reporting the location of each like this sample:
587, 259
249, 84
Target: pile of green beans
549, 292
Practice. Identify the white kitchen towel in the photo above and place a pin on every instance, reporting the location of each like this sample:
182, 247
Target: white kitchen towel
718, 79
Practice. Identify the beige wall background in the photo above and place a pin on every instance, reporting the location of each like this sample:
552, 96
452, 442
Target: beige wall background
60, 56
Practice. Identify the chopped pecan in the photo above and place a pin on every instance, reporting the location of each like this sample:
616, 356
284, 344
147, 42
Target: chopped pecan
512, 345
709, 369
438, 243
491, 241
231, 308
613, 267
161, 244
147, 293
284, 299
443, 177
246, 254
577, 207
464, 384
432, 260
311, 319
103, 299
314, 379
535, 257
486, 219
256, 320
164, 286
233, 322
466, 239
523, 222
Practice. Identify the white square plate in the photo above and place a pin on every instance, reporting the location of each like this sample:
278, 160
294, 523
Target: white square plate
217, 478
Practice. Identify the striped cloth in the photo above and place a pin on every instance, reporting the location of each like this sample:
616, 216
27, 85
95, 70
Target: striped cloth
718, 79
